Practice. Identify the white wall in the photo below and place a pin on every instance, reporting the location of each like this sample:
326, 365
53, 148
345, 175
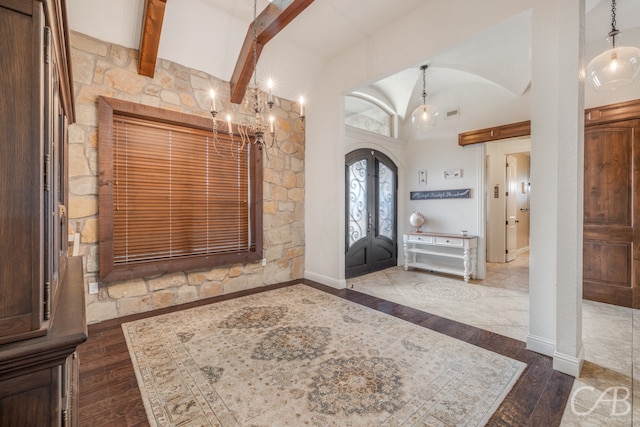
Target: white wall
115, 21
446, 215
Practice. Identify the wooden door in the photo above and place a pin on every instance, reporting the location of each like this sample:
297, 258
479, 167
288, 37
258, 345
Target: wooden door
371, 206
611, 214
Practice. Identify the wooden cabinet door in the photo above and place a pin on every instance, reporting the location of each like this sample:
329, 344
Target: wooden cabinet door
30, 399
21, 171
611, 214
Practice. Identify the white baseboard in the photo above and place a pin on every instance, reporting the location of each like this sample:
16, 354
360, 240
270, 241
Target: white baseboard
567, 364
541, 345
522, 250
325, 280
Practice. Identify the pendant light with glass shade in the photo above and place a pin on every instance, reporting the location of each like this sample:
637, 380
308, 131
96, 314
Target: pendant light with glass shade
424, 117
614, 67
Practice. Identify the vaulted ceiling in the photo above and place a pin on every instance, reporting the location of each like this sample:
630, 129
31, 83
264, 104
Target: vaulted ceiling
209, 35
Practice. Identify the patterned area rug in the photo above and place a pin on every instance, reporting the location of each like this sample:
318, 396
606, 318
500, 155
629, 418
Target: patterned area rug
297, 356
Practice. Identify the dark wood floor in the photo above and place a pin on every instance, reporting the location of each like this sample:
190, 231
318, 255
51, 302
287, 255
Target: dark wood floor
109, 394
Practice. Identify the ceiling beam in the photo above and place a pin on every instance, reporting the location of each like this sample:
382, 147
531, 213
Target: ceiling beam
150, 38
270, 22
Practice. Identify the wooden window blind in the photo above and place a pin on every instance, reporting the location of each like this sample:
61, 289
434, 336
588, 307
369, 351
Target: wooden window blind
176, 201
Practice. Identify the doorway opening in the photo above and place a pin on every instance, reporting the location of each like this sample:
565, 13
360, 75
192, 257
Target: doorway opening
371, 212
508, 186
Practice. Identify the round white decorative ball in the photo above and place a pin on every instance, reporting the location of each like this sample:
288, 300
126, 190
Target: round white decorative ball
417, 220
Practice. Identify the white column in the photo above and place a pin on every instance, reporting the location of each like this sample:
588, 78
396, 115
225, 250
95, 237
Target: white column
324, 187
557, 130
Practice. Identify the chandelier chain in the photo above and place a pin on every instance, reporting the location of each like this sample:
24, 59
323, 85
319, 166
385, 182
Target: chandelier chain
424, 116
424, 84
614, 31
613, 16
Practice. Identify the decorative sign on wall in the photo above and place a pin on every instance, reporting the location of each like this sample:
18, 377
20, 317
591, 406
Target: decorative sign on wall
463, 193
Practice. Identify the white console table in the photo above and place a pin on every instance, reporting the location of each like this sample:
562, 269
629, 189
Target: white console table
425, 250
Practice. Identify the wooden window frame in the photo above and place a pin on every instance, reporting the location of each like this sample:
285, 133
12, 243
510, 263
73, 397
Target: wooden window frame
109, 271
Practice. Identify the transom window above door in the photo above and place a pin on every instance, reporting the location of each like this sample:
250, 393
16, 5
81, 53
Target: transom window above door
370, 114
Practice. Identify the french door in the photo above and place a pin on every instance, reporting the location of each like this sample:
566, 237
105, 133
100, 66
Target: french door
371, 212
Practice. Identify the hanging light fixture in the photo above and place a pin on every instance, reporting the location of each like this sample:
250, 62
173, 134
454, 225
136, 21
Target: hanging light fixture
424, 117
262, 132
617, 66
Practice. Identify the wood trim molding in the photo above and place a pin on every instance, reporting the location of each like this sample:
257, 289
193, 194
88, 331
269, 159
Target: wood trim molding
150, 38
271, 21
604, 114
21, 6
495, 133
612, 112
56, 15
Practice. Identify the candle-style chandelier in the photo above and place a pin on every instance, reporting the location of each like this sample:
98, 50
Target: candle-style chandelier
261, 131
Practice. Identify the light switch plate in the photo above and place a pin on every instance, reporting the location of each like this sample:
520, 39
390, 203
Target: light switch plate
422, 177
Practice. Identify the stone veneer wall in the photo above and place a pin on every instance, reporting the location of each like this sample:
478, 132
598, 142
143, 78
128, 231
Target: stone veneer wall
101, 68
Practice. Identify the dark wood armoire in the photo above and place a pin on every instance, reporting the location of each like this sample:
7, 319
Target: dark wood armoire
42, 317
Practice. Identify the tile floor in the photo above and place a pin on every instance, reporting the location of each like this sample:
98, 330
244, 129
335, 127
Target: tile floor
500, 303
